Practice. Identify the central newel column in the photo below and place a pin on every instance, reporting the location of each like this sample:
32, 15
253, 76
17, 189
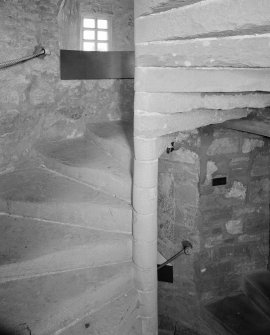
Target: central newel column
145, 230
145, 189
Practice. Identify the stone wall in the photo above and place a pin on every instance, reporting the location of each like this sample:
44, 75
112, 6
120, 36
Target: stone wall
178, 205
228, 225
34, 102
234, 218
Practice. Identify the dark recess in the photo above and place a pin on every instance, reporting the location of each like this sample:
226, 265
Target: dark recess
219, 181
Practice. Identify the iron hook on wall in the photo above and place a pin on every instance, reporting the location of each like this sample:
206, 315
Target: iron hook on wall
186, 249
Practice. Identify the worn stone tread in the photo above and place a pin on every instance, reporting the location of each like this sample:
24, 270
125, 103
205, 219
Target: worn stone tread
83, 160
116, 138
154, 124
41, 185
172, 103
144, 8
49, 303
36, 246
203, 18
250, 126
231, 51
116, 317
44, 195
173, 80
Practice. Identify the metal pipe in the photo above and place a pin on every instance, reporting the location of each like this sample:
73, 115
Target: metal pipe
39, 51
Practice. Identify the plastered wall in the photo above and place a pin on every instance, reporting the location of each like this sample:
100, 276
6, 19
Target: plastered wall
34, 102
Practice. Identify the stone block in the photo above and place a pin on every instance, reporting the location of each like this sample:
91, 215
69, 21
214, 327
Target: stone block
258, 190
185, 174
151, 125
256, 127
165, 165
42, 93
242, 250
186, 216
187, 194
146, 7
261, 166
10, 95
211, 168
223, 252
223, 146
169, 103
215, 216
8, 119
237, 191
217, 269
166, 191
250, 144
245, 267
166, 224
203, 19
217, 200
166, 79
247, 238
213, 241
256, 223
230, 51
239, 166
216, 287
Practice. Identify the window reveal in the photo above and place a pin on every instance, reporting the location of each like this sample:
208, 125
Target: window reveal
96, 34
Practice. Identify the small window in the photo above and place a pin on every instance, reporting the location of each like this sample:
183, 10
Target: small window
95, 34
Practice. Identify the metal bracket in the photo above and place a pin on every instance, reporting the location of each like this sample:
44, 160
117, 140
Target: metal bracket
186, 249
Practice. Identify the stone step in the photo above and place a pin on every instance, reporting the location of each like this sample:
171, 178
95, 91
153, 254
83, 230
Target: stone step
47, 196
154, 125
204, 19
185, 80
118, 316
146, 7
47, 304
75, 258
259, 127
257, 288
83, 160
29, 247
230, 51
240, 316
116, 138
171, 103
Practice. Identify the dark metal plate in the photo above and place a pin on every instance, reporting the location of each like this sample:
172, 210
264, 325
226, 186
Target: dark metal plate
85, 65
165, 274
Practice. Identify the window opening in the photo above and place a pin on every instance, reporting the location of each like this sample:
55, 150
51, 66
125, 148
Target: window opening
96, 34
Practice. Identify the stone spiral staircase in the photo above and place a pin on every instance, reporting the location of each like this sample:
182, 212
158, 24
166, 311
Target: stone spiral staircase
66, 238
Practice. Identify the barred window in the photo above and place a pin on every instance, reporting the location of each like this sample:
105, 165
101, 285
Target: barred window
95, 33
